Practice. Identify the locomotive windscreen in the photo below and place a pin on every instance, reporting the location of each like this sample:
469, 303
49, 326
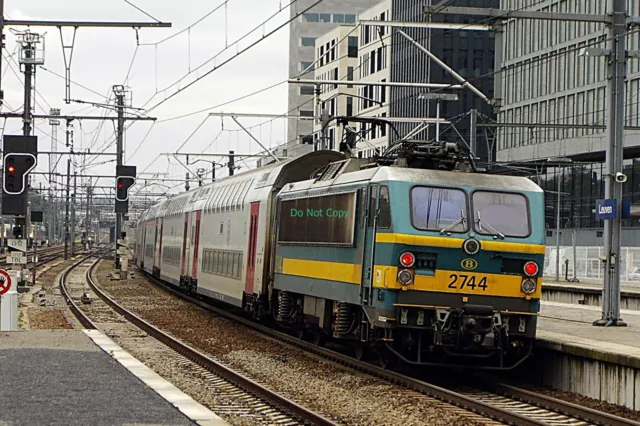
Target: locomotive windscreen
328, 219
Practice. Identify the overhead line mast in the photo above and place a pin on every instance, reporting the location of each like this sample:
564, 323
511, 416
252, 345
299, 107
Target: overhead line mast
29, 59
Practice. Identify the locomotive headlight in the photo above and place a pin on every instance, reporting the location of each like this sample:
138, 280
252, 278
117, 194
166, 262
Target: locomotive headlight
471, 246
528, 286
405, 277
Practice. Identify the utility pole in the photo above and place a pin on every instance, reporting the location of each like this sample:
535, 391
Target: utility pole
558, 180
617, 66
53, 165
473, 129
186, 182
29, 59
73, 216
120, 104
232, 163
66, 215
87, 218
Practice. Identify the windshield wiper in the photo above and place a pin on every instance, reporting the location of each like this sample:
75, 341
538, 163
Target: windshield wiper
462, 221
496, 233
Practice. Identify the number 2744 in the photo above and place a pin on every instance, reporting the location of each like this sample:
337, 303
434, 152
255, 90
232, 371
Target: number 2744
461, 281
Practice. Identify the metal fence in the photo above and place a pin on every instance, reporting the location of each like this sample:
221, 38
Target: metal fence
589, 263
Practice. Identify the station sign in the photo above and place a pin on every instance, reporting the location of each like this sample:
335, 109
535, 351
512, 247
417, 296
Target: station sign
607, 209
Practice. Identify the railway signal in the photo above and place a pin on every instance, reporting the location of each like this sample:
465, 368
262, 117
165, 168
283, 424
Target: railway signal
16, 170
125, 179
20, 158
123, 183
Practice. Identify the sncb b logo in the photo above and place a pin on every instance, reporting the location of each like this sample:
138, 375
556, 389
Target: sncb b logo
469, 264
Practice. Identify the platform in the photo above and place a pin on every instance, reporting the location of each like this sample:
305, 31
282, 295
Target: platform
589, 293
69, 377
596, 282
628, 286
569, 324
600, 362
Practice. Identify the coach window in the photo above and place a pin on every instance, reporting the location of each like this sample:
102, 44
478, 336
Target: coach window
235, 202
241, 193
220, 200
234, 264
214, 199
435, 209
244, 196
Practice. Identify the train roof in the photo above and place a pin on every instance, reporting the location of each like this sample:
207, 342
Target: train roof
275, 174
418, 176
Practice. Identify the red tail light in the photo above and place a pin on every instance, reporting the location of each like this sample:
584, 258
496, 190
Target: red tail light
531, 268
407, 259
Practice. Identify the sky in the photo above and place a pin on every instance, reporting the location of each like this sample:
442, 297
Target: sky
154, 71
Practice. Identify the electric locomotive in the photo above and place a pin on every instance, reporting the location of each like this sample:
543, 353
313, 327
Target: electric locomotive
412, 255
428, 265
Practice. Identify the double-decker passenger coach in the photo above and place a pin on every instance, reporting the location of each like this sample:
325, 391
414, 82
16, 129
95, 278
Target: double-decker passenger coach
412, 255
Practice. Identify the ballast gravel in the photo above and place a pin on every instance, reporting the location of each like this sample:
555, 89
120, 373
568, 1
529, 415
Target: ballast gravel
348, 397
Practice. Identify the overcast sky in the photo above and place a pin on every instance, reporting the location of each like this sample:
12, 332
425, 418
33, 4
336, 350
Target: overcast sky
102, 57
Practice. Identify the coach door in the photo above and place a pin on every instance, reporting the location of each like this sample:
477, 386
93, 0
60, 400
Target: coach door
368, 243
195, 242
155, 245
251, 251
158, 244
185, 247
141, 247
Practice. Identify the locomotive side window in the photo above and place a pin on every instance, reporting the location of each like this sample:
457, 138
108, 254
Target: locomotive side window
434, 209
503, 212
384, 219
322, 220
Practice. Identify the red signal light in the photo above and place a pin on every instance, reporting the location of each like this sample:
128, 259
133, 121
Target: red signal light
11, 169
120, 186
407, 259
531, 268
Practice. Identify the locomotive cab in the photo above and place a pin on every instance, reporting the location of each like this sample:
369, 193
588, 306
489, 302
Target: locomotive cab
429, 267
466, 251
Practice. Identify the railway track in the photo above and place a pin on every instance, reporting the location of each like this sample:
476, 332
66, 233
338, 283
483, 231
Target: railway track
253, 400
500, 402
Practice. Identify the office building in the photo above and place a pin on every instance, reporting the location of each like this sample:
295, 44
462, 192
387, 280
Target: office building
545, 81
336, 58
303, 32
470, 53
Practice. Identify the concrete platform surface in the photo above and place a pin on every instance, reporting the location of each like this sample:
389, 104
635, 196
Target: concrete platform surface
62, 377
570, 327
628, 286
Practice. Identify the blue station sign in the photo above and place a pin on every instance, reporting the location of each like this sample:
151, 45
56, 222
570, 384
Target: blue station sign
606, 209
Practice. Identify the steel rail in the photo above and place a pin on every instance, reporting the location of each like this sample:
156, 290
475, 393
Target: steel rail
559, 405
434, 391
77, 312
419, 386
279, 401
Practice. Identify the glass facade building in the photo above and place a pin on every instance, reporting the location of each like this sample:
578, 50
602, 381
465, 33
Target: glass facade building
470, 53
580, 187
